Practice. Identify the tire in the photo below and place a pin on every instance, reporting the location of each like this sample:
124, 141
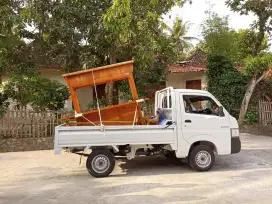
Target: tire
201, 158
100, 163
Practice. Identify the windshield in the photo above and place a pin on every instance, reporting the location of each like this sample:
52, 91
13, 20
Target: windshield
200, 105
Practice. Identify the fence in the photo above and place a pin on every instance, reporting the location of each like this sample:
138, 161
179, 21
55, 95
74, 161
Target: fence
28, 124
265, 112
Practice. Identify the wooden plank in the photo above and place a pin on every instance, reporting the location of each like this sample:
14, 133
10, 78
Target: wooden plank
269, 113
8, 120
33, 125
38, 125
263, 112
260, 112
75, 100
30, 124
52, 126
98, 68
101, 75
45, 124
266, 112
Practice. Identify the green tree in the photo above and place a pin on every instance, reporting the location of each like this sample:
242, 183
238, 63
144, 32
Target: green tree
225, 82
218, 37
68, 33
244, 40
181, 42
18, 59
136, 32
254, 65
10, 27
221, 39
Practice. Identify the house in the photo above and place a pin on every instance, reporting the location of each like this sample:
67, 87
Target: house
189, 74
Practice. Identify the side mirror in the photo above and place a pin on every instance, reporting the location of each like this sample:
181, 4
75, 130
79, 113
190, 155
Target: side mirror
221, 111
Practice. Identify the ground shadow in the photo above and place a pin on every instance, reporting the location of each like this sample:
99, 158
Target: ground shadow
245, 160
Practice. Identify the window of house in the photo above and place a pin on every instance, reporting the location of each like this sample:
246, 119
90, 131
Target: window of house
193, 84
200, 105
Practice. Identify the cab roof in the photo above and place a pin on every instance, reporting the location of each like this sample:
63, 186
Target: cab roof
192, 91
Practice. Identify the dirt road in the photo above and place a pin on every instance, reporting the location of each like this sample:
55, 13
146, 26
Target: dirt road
41, 177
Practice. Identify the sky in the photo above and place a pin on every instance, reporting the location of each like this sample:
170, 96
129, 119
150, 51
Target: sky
195, 14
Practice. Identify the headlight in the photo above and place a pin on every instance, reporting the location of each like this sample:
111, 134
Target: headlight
234, 132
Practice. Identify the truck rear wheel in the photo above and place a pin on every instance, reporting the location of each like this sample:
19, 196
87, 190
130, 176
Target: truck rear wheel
100, 163
201, 158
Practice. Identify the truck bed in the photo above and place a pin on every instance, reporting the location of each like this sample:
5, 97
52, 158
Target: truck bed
83, 136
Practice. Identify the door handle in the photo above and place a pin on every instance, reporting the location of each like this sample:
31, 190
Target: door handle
188, 121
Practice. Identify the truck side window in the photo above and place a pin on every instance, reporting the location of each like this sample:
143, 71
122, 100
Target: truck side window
164, 102
200, 105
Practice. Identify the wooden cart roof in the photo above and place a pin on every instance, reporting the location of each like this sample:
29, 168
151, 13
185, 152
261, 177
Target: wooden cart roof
97, 69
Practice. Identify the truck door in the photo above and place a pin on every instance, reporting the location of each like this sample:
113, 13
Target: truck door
201, 121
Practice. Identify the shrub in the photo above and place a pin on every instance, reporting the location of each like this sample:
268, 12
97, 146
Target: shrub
252, 117
225, 82
38, 92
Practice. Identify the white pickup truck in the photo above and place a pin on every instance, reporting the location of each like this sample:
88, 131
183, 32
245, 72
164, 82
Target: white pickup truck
193, 126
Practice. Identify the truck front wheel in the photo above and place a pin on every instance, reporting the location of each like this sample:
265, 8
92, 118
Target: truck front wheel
100, 163
201, 158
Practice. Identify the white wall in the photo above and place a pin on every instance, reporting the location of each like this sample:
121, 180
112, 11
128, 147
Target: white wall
178, 80
85, 96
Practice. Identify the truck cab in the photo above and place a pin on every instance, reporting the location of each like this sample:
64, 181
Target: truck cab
200, 119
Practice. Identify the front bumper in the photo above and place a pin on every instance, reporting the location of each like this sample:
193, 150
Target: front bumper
235, 145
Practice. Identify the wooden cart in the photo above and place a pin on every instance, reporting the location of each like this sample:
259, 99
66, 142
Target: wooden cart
121, 114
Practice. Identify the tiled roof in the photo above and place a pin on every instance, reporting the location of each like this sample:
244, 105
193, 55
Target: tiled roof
195, 63
176, 68
199, 58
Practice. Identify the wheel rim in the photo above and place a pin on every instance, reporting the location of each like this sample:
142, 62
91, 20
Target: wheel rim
100, 163
203, 159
